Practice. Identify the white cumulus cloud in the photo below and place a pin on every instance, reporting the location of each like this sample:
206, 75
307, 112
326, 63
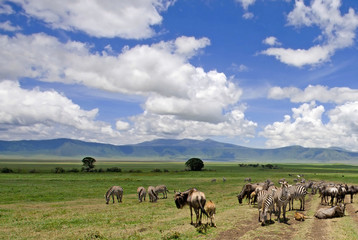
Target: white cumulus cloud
100, 18
29, 114
319, 93
337, 32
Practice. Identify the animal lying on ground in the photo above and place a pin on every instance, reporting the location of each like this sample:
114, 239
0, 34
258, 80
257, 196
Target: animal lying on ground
210, 208
195, 199
336, 211
114, 191
299, 216
141, 193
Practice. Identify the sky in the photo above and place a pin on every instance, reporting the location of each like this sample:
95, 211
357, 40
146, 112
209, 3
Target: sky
256, 73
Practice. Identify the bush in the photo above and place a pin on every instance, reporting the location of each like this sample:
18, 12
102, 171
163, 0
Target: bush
114, 169
156, 170
59, 170
75, 170
6, 170
33, 171
135, 171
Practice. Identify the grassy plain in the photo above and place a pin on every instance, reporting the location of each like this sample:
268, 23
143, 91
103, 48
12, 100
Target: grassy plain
46, 205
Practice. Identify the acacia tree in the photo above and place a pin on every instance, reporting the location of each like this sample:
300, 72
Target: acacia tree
195, 164
88, 164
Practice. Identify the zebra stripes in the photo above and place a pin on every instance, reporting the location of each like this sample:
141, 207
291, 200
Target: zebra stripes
114, 191
282, 197
268, 206
297, 192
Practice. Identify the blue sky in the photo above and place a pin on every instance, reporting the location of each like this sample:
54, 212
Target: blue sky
258, 73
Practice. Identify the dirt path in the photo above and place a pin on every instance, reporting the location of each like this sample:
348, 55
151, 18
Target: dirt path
240, 229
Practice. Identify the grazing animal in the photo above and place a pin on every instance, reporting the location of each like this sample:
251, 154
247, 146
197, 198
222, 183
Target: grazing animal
195, 199
297, 192
247, 179
210, 208
327, 191
267, 206
162, 189
213, 180
352, 190
246, 191
224, 179
114, 191
336, 211
153, 197
141, 193
299, 216
282, 197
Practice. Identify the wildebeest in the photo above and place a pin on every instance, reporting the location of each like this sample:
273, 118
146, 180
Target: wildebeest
162, 189
336, 211
249, 188
141, 193
210, 208
195, 199
352, 190
114, 191
152, 195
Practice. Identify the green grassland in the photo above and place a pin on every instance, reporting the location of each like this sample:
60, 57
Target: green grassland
47, 205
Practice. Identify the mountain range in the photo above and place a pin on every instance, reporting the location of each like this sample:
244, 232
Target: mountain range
170, 150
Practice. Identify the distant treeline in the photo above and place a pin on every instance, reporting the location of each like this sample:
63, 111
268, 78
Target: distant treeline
269, 166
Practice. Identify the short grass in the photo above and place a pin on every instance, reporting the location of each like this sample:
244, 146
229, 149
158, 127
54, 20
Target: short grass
45, 205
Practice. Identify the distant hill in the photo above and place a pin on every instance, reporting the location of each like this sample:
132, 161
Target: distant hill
171, 150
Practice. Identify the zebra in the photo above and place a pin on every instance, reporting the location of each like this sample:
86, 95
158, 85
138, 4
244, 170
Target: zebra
327, 191
153, 197
162, 189
114, 190
141, 193
268, 206
297, 192
282, 197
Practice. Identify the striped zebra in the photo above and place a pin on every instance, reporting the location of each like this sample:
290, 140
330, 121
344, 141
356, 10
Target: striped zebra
153, 197
297, 192
141, 193
260, 197
268, 206
282, 197
114, 191
162, 189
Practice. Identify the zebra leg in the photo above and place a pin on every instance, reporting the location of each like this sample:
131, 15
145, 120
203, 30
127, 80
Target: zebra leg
284, 212
113, 198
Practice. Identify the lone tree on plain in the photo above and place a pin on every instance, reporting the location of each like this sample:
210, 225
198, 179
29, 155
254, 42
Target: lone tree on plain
88, 164
195, 164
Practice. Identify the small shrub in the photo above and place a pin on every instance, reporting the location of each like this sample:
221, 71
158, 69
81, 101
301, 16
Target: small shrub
59, 170
165, 170
156, 170
74, 170
6, 170
101, 170
135, 171
33, 171
114, 169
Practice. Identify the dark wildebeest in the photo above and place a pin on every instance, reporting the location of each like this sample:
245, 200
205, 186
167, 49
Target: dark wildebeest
195, 199
141, 193
352, 190
114, 191
336, 211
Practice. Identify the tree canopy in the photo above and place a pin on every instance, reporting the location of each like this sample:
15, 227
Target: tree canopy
88, 164
195, 164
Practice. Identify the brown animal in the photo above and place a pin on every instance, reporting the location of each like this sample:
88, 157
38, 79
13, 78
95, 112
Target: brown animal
210, 208
195, 199
299, 216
